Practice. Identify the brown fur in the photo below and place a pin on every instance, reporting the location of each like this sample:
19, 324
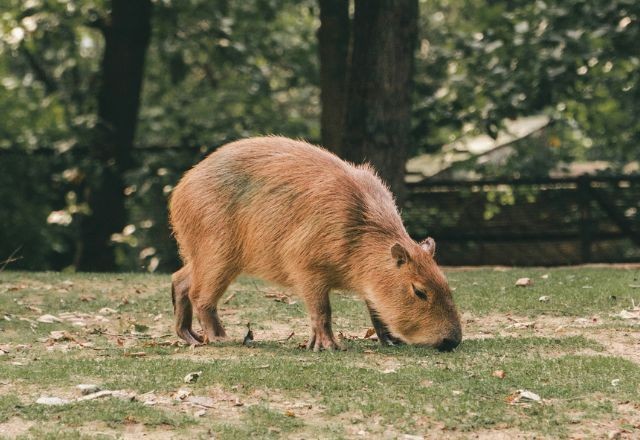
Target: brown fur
296, 215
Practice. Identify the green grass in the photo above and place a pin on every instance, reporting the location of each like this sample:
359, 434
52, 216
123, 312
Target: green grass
283, 390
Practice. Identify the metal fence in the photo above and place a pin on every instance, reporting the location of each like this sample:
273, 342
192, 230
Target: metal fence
529, 221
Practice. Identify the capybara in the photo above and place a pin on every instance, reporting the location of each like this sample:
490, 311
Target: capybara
295, 214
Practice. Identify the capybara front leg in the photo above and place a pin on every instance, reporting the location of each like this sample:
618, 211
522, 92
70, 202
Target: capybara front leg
182, 310
212, 328
319, 310
381, 329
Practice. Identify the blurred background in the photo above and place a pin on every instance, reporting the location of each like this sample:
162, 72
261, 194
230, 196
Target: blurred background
508, 130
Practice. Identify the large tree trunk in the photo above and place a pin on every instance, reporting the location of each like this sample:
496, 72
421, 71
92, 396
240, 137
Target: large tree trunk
333, 42
127, 36
378, 118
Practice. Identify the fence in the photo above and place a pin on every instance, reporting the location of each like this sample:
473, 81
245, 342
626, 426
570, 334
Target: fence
529, 221
509, 222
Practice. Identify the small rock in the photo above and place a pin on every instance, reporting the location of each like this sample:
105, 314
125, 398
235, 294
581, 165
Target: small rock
192, 377
52, 401
544, 298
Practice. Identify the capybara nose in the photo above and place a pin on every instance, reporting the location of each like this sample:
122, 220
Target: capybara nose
448, 344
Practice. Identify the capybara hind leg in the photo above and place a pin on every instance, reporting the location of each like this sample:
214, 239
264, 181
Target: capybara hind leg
205, 297
319, 310
182, 310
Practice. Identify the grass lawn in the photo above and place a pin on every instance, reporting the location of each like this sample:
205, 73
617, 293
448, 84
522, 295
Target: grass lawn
115, 331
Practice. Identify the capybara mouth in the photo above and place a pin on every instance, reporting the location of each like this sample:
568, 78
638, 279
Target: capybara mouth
382, 330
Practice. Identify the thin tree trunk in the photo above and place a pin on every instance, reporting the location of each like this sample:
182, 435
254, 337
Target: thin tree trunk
127, 36
333, 42
378, 118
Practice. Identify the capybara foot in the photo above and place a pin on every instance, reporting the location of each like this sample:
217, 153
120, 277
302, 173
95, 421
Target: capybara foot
323, 341
387, 340
189, 336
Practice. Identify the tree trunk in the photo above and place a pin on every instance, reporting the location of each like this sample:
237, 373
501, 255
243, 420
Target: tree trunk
126, 36
333, 42
378, 117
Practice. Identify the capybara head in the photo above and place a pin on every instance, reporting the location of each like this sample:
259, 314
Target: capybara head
412, 297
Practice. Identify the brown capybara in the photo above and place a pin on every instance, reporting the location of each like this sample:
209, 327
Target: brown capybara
297, 215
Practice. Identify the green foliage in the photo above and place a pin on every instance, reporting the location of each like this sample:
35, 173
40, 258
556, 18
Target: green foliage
218, 71
481, 62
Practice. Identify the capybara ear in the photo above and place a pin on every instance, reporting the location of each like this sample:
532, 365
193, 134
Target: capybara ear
400, 254
429, 245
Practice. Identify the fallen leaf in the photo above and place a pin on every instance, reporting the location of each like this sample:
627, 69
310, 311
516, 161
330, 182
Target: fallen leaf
135, 353
523, 396
524, 282
87, 298
48, 319
87, 388
615, 382
500, 374
182, 394
192, 377
289, 413
522, 325
545, 276
206, 402
248, 339
370, 332
544, 298
52, 401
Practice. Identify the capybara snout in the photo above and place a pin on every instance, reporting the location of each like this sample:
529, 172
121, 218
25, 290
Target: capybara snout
296, 215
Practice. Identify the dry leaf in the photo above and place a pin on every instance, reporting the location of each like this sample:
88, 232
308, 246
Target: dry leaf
248, 339
203, 401
49, 319
524, 282
289, 413
86, 388
192, 377
500, 374
135, 354
523, 396
544, 298
370, 332
52, 401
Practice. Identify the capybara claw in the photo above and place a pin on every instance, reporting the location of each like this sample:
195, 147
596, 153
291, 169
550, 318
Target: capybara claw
323, 343
189, 336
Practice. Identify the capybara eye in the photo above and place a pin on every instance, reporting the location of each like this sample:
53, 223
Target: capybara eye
420, 294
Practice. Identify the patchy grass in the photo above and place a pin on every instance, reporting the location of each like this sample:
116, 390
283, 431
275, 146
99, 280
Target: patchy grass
115, 331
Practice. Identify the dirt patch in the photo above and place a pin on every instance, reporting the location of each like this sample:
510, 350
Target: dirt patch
623, 342
15, 427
